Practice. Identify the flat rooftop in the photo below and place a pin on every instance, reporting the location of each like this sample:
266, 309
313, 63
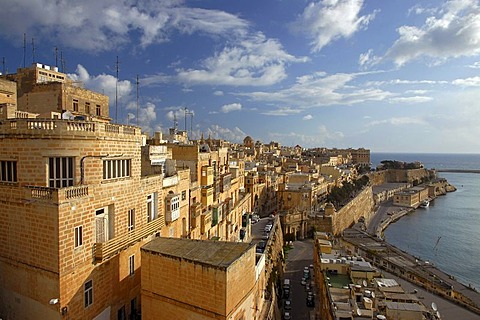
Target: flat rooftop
212, 253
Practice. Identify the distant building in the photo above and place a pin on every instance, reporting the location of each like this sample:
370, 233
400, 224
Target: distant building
411, 197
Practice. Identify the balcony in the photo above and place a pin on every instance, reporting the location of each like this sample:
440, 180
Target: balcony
55, 195
106, 250
65, 128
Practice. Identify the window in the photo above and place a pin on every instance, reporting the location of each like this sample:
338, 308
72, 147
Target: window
8, 171
104, 224
152, 206
98, 110
184, 195
75, 105
88, 293
60, 172
131, 219
118, 168
87, 107
131, 265
78, 241
121, 315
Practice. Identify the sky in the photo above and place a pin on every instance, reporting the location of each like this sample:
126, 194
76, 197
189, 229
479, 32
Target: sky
390, 76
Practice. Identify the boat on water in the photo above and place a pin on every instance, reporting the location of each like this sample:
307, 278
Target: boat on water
424, 204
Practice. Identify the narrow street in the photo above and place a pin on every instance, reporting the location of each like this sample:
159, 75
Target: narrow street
299, 257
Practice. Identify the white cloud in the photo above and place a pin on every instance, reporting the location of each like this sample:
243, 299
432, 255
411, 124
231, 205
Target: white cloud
308, 117
254, 61
107, 24
322, 137
147, 118
218, 93
231, 107
467, 82
103, 83
453, 32
475, 65
319, 89
217, 132
414, 99
405, 82
281, 111
398, 121
329, 20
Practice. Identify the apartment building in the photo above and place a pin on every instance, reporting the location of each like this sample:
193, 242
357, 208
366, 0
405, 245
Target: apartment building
80, 196
44, 90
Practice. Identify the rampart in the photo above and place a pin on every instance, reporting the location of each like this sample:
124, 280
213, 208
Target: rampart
413, 176
335, 222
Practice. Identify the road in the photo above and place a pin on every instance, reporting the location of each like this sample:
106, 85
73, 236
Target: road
297, 258
447, 309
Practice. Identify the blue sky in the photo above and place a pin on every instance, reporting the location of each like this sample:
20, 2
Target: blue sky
392, 76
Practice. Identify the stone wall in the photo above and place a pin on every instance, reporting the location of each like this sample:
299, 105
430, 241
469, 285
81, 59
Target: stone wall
397, 175
360, 206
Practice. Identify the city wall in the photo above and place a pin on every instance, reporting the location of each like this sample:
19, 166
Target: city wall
335, 222
414, 176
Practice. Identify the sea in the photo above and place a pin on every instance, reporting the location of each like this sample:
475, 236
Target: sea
447, 233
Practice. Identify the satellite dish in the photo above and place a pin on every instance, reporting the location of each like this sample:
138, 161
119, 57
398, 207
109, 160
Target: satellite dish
438, 315
373, 295
434, 306
359, 312
364, 283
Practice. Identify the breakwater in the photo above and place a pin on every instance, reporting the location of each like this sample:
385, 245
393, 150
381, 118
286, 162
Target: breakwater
458, 170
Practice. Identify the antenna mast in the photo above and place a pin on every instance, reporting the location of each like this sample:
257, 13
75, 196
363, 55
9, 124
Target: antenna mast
56, 57
62, 61
3, 65
24, 49
175, 123
137, 83
116, 93
33, 50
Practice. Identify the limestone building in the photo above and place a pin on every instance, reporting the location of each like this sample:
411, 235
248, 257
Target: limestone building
221, 280
80, 196
44, 90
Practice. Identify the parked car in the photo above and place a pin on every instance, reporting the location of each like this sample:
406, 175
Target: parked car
287, 316
261, 247
310, 301
287, 305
